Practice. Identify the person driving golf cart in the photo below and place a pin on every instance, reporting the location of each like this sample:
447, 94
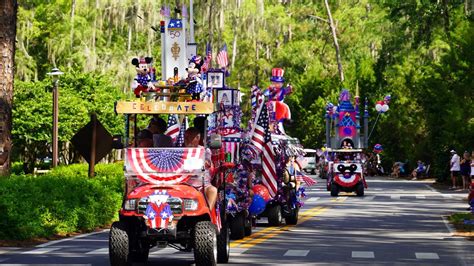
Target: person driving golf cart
192, 138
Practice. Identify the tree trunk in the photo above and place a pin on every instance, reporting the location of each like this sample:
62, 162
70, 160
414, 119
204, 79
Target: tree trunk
336, 45
8, 11
73, 11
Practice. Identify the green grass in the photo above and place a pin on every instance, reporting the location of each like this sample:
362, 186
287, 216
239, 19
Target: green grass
457, 219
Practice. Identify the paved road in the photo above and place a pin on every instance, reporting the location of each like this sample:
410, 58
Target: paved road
397, 222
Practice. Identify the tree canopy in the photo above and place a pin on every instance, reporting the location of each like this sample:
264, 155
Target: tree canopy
419, 52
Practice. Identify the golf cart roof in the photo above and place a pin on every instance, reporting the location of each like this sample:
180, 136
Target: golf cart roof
162, 107
345, 150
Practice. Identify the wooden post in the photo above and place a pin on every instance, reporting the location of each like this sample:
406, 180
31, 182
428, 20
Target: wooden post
336, 45
93, 145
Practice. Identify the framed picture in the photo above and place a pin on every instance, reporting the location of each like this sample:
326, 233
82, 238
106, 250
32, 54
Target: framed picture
215, 79
236, 98
225, 97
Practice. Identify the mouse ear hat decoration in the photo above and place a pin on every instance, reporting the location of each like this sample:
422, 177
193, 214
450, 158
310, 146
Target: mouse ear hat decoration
277, 75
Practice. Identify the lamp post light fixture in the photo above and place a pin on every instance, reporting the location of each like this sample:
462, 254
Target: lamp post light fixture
55, 73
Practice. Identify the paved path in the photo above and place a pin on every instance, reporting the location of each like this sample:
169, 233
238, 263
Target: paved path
397, 222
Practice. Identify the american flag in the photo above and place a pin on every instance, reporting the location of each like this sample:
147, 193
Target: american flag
180, 138
261, 139
222, 58
302, 177
173, 127
207, 61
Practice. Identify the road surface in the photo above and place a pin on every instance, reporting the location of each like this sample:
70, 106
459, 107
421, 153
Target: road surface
397, 222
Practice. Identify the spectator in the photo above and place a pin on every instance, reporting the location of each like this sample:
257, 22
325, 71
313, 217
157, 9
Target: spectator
472, 166
200, 123
418, 171
145, 138
454, 168
158, 127
395, 170
465, 169
191, 139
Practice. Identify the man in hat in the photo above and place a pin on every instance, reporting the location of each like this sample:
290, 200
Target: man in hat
455, 167
276, 91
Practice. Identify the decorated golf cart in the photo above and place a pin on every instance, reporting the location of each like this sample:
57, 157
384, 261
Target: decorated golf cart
344, 153
275, 157
166, 200
225, 122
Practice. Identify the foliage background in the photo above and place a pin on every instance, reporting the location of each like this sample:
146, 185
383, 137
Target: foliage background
420, 52
60, 202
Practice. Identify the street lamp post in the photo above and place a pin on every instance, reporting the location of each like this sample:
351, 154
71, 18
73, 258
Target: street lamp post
55, 73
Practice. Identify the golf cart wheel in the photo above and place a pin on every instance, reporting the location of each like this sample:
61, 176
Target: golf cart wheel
360, 189
237, 230
334, 190
292, 219
248, 225
119, 245
223, 245
205, 243
274, 215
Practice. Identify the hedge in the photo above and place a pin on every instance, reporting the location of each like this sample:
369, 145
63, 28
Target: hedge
62, 201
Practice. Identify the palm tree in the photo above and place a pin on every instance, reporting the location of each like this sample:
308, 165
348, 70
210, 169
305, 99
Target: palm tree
8, 10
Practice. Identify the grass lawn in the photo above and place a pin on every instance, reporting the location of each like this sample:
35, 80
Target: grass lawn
464, 224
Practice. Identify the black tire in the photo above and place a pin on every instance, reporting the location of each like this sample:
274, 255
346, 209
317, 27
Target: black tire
237, 229
205, 243
248, 225
119, 245
313, 172
223, 245
334, 190
360, 189
274, 215
292, 219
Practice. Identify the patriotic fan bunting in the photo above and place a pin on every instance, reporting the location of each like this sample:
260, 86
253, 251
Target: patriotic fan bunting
164, 165
346, 179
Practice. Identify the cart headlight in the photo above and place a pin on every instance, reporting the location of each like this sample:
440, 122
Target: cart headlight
130, 204
190, 204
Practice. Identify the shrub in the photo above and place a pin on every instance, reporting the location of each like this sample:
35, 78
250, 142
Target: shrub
62, 201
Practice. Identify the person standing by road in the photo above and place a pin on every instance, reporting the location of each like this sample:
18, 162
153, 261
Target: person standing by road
465, 170
454, 168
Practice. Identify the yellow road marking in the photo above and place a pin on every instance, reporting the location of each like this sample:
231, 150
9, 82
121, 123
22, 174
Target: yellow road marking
254, 239
261, 232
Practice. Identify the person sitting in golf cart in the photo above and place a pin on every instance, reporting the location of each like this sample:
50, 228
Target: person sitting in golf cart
192, 137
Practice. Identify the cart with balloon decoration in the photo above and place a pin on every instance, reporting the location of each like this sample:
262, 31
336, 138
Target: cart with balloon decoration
345, 144
345, 154
277, 159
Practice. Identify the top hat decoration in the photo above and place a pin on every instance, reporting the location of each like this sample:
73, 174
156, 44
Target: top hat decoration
277, 75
